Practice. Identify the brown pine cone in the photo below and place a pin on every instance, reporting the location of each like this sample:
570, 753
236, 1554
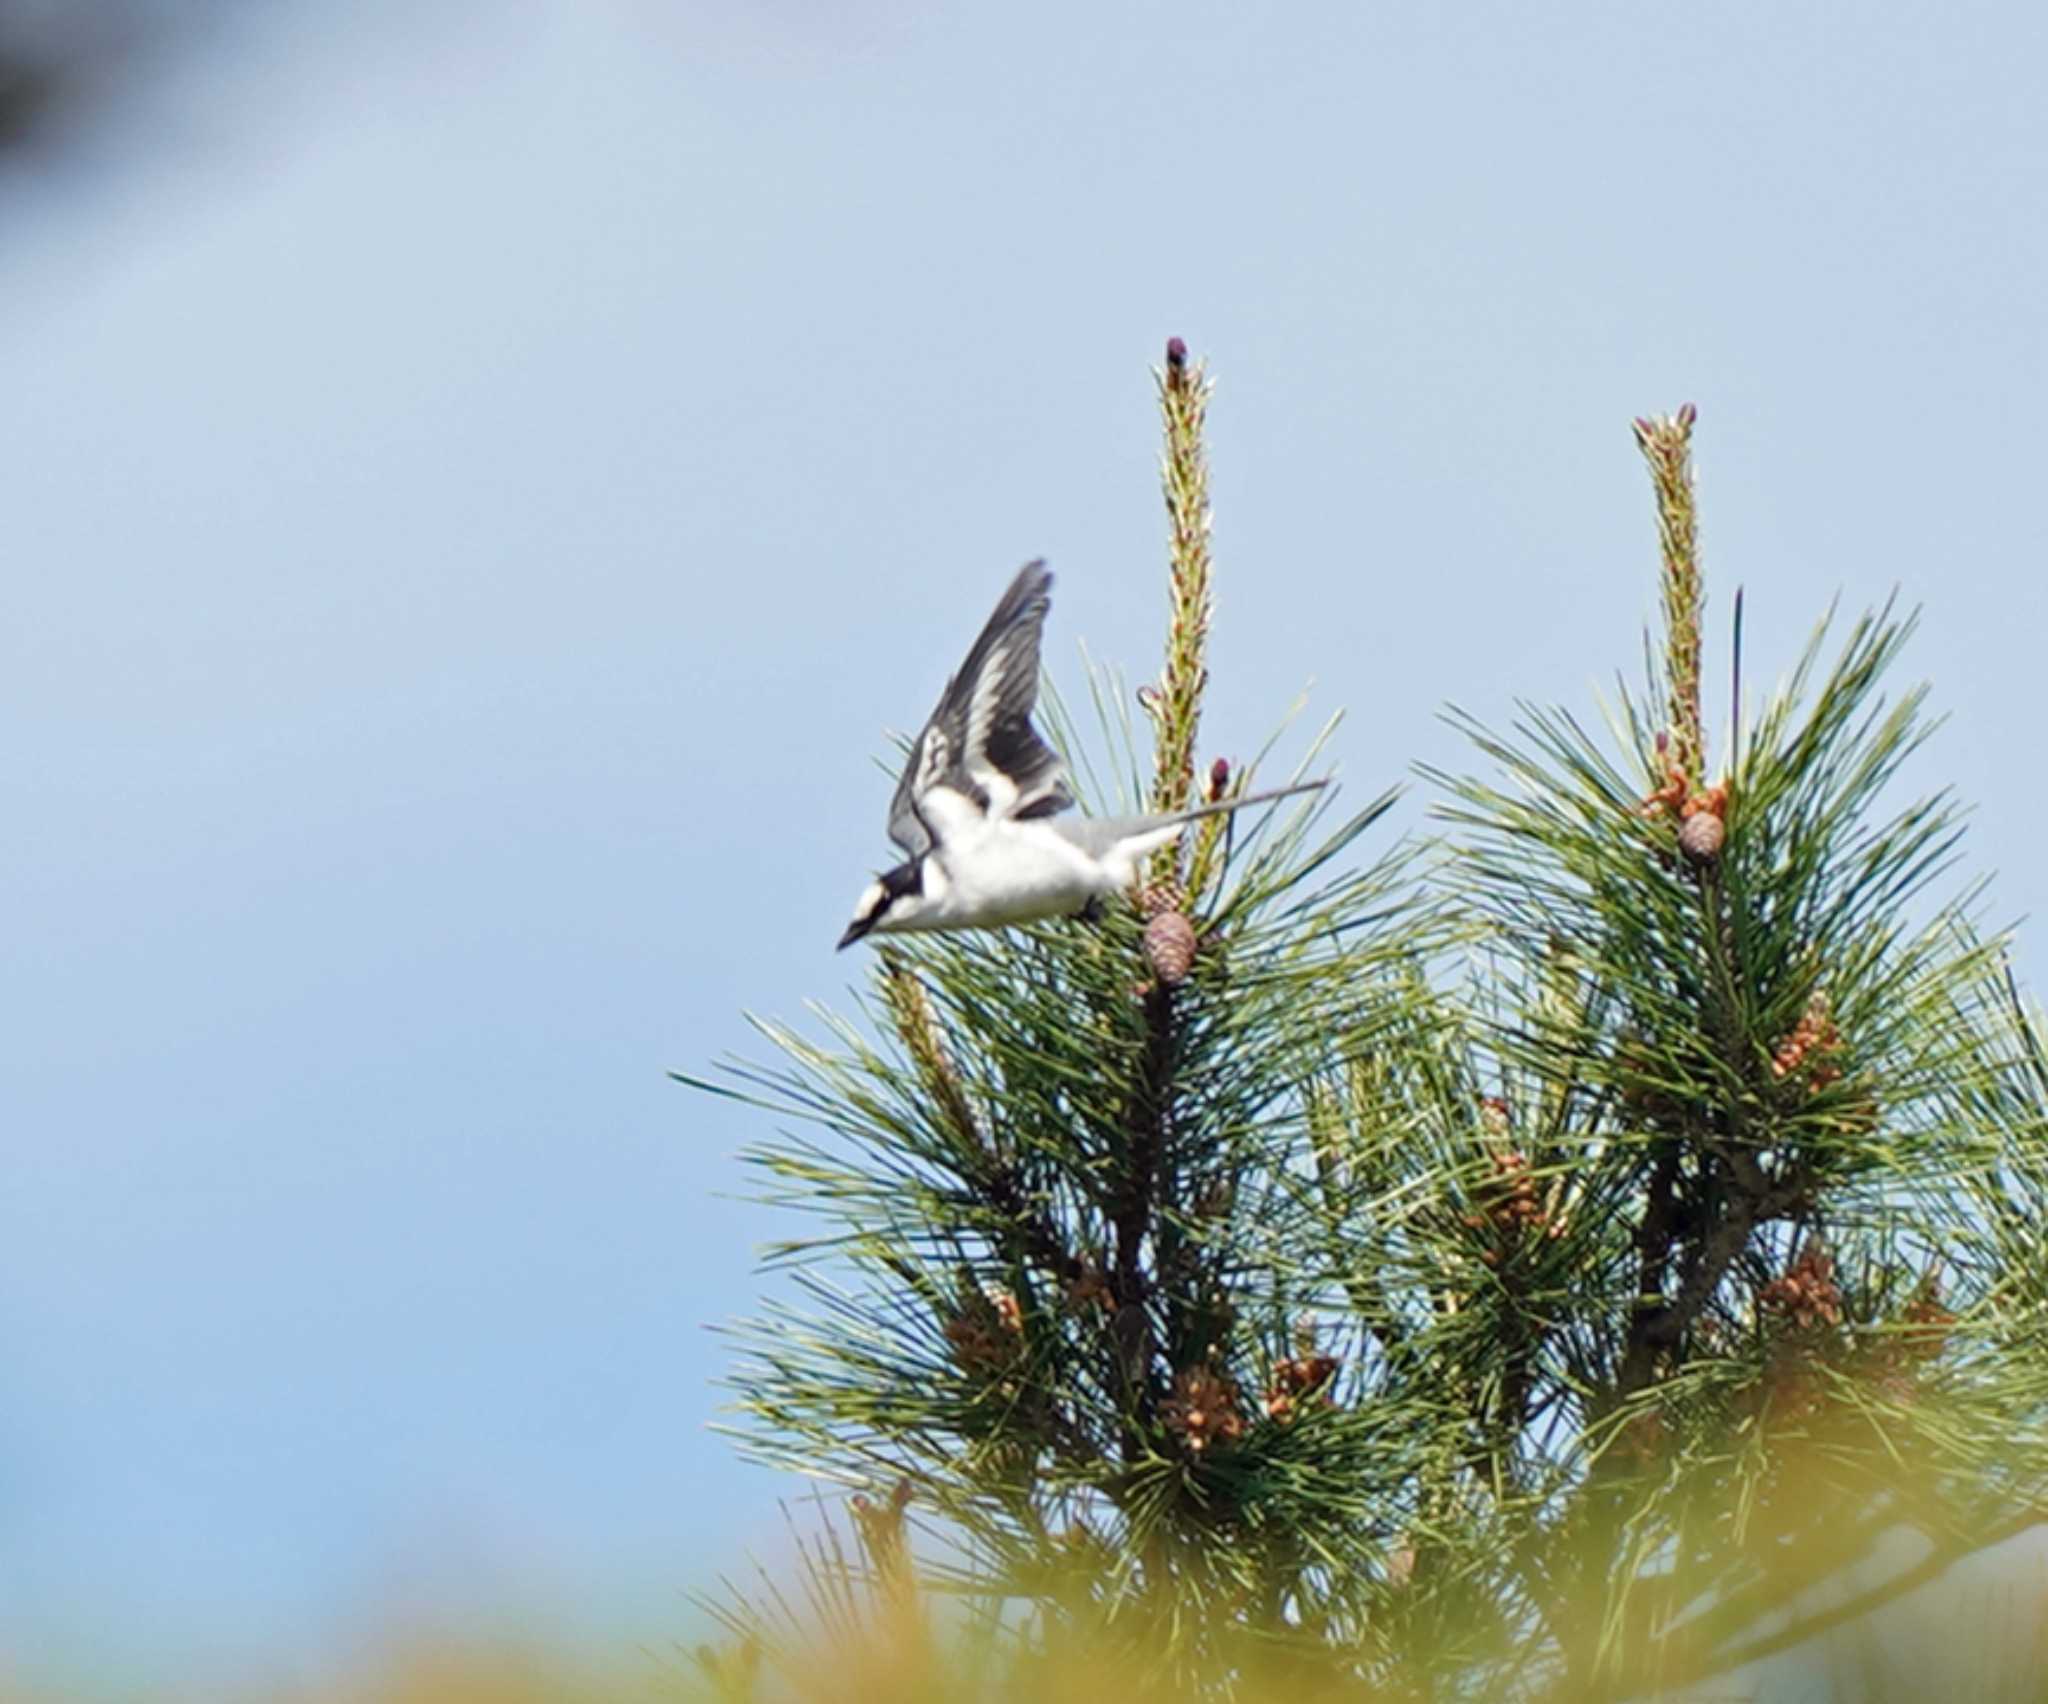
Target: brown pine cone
1701, 836
1170, 947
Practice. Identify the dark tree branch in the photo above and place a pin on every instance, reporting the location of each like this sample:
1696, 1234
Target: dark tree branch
1131, 1218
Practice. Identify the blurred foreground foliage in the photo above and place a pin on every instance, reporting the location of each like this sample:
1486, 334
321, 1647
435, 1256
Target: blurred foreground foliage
852, 1625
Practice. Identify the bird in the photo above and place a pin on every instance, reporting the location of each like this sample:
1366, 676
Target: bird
978, 808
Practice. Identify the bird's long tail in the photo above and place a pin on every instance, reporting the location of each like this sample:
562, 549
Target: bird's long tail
1222, 805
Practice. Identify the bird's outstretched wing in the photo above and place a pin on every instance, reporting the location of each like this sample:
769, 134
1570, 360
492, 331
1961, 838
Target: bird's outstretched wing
979, 743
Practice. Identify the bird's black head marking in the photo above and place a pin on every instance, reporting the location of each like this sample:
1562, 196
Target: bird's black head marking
890, 886
905, 878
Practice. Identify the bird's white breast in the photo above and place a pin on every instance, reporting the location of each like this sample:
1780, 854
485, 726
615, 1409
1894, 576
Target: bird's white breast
1013, 872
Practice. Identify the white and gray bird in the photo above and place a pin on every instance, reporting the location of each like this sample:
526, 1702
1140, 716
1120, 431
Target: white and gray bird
977, 809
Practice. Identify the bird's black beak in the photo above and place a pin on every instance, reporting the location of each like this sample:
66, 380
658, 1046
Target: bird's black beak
854, 930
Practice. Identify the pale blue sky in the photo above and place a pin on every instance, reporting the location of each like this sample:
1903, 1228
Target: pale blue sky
480, 479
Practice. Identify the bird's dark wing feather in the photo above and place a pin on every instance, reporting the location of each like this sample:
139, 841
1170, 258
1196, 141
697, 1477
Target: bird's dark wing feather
979, 742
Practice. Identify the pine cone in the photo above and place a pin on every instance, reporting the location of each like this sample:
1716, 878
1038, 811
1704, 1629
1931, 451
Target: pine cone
1701, 836
1170, 947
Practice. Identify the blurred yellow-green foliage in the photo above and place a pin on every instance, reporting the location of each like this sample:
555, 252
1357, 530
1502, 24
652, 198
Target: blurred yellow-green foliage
848, 1624
1899, 1623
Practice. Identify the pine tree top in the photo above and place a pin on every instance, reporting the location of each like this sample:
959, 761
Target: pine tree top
1529, 1255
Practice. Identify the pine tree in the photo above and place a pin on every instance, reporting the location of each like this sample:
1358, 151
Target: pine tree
1526, 1262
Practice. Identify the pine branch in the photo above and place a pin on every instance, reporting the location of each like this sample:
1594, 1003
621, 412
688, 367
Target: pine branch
1132, 1218
1666, 443
1026, 1235
910, 1009
1176, 702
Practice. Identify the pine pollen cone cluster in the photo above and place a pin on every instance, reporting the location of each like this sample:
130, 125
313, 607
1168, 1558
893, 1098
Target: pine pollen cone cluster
1808, 1304
1207, 1406
1807, 1295
1203, 1410
986, 1333
1090, 1287
1806, 1301
1507, 1200
1299, 1379
1923, 1333
1814, 1039
1927, 1323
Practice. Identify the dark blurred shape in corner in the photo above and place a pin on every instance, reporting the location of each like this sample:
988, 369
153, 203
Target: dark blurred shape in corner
66, 64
